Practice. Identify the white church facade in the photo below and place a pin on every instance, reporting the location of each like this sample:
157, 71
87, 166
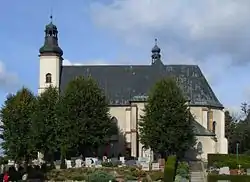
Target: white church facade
126, 87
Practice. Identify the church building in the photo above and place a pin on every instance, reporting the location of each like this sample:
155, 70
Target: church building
126, 87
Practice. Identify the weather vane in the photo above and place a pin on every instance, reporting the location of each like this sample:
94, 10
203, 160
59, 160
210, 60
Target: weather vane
155, 41
51, 15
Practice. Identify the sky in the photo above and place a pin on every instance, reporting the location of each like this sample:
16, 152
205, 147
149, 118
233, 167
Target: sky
214, 34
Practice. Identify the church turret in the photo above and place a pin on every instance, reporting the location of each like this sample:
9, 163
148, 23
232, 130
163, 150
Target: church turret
50, 59
51, 41
156, 53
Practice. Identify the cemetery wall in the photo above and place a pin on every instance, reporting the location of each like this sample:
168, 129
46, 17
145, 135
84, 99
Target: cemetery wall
229, 178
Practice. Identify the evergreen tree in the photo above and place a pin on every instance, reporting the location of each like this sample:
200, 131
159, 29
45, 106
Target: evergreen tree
231, 132
165, 126
16, 115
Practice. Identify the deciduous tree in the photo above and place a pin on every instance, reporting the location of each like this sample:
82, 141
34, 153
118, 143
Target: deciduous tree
85, 115
165, 126
46, 124
16, 115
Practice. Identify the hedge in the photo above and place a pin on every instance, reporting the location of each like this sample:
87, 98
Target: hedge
230, 160
231, 178
170, 168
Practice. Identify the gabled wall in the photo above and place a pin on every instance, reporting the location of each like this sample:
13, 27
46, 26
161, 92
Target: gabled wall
128, 117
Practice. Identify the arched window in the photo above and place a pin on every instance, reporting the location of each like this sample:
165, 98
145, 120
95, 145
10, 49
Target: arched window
199, 148
114, 125
48, 78
114, 120
214, 126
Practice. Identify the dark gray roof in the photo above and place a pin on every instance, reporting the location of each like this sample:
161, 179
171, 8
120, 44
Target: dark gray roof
199, 130
123, 83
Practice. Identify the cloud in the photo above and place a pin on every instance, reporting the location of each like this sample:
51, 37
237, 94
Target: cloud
8, 80
196, 30
67, 62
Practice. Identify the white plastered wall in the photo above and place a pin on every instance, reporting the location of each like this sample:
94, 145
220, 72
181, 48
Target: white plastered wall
52, 65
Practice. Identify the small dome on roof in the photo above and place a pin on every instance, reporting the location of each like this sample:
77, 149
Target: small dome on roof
51, 26
156, 49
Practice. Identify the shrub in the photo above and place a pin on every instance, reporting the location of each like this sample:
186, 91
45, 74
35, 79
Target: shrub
80, 174
130, 177
108, 164
231, 178
156, 175
230, 160
138, 173
183, 170
169, 170
100, 176
69, 174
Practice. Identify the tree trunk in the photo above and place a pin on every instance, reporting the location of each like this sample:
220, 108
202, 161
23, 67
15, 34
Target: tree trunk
63, 157
26, 163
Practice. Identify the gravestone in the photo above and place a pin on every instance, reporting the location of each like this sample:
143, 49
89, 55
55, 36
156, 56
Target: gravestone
90, 161
11, 163
145, 166
130, 163
35, 162
122, 159
2, 168
68, 164
104, 158
57, 164
161, 163
98, 164
155, 166
16, 167
143, 159
224, 170
248, 171
94, 160
78, 163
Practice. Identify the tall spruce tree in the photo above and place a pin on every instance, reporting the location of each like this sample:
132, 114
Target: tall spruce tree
46, 124
165, 126
85, 116
18, 136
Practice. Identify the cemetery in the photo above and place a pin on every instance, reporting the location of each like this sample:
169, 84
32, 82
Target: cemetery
229, 167
220, 167
114, 169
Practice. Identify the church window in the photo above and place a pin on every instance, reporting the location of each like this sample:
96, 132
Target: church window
115, 125
114, 120
214, 126
48, 78
199, 148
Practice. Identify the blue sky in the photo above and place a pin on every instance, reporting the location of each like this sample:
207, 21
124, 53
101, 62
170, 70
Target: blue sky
213, 34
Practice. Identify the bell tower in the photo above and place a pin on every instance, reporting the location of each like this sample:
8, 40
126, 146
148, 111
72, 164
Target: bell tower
50, 59
156, 54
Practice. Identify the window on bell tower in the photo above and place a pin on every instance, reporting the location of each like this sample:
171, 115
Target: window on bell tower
48, 78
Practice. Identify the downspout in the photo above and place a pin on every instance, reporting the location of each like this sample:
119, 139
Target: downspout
136, 129
137, 132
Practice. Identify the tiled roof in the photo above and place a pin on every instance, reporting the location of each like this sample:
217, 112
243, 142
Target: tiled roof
199, 130
123, 83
